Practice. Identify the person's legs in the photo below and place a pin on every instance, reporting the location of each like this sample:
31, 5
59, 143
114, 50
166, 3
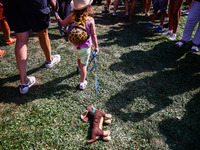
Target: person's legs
133, 6
192, 20
45, 44
190, 6
176, 14
144, 3
67, 9
127, 3
148, 7
116, 4
6, 32
83, 54
154, 16
163, 13
108, 5
5, 29
61, 8
21, 55
170, 23
196, 39
83, 72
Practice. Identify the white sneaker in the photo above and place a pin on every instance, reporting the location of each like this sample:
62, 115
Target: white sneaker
186, 12
166, 32
23, 88
82, 85
55, 60
194, 49
114, 14
172, 37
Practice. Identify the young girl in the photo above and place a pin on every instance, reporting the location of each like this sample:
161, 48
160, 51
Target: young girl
82, 10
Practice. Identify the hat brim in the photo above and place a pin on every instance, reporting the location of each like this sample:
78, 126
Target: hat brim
79, 8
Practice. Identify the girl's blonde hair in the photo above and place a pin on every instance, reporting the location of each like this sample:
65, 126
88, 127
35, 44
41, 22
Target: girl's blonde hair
78, 15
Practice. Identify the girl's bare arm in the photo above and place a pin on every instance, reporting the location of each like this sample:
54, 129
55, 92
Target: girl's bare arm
91, 24
64, 22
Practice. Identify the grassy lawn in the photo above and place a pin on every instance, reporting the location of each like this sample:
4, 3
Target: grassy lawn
151, 88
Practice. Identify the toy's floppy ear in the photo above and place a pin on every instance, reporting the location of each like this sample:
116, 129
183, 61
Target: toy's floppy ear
84, 116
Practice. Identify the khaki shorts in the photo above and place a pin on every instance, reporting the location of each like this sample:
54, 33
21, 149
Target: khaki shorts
83, 54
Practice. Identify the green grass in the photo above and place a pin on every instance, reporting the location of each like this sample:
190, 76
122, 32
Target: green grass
151, 88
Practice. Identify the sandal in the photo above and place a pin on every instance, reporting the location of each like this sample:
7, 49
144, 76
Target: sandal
194, 49
11, 40
179, 44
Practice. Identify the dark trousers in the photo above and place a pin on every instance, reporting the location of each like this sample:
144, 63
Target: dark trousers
64, 8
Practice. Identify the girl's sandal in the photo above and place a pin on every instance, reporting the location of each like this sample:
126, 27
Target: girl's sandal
179, 44
194, 49
11, 40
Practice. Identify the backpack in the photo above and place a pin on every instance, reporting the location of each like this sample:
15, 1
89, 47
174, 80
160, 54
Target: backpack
76, 32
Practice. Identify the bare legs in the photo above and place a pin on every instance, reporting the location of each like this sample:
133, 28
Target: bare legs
175, 13
83, 70
133, 6
146, 7
21, 51
45, 44
21, 55
6, 32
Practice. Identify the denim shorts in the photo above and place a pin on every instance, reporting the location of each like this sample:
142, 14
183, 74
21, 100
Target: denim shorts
158, 5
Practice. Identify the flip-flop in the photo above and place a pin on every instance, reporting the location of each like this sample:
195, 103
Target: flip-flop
13, 40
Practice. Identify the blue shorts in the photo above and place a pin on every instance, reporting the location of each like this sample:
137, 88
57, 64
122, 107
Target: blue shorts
24, 15
158, 5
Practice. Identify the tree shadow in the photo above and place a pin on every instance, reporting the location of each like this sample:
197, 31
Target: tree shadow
162, 56
176, 73
126, 33
10, 94
184, 133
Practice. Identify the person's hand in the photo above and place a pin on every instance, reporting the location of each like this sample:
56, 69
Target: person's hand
54, 5
96, 50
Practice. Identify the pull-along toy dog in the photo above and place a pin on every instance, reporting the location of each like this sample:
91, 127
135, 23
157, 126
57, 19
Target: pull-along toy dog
99, 118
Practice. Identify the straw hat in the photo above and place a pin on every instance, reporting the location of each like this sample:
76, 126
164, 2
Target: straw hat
80, 4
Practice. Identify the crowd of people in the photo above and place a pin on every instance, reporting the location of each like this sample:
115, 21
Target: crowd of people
35, 15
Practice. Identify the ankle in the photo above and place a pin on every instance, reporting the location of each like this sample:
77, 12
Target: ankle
194, 44
183, 41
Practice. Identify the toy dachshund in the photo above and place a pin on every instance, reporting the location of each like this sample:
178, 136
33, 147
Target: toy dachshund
99, 118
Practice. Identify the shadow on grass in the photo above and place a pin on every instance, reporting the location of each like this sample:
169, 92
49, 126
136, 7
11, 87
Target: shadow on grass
184, 134
176, 72
52, 88
162, 56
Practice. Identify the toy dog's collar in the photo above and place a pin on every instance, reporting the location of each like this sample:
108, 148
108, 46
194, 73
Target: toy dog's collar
93, 111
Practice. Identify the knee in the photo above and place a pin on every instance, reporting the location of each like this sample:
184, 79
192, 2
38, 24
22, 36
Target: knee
42, 33
22, 37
